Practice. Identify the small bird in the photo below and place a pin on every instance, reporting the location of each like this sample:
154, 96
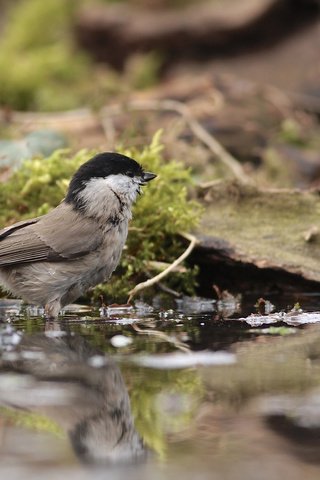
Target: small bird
53, 259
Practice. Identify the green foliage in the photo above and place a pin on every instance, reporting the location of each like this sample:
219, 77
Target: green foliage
38, 185
37, 55
160, 213
40, 68
142, 70
291, 132
45, 32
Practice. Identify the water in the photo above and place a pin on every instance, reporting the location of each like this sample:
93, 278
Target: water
195, 390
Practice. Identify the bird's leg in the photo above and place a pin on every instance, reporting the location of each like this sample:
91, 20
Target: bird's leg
52, 309
51, 312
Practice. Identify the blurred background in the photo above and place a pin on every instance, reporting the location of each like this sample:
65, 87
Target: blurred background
249, 71
62, 54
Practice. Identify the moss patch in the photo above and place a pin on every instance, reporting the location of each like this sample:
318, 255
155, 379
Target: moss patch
268, 228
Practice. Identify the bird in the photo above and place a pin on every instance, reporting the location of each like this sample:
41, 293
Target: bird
53, 259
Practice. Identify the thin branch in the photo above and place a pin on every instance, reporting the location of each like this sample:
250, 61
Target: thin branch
199, 131
168, 290
68, 116
108, 129
152, 281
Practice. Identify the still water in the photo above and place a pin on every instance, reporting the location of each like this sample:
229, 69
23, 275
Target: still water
203, 390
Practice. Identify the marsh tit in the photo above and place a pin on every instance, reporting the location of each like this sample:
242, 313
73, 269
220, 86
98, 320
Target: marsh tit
53, 259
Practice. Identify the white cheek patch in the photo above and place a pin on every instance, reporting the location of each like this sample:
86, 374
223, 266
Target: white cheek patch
126, 187
119, 183
96, 192
103, 194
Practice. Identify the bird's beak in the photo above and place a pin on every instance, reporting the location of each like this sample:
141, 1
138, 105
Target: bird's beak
147, 176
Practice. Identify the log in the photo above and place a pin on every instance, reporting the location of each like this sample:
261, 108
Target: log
112, 33
255, 238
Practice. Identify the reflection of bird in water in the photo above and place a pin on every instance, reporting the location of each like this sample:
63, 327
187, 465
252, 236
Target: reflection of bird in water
96, 407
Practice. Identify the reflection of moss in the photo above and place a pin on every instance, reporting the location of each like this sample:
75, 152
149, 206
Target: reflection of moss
160, 214
32, 421
147, 392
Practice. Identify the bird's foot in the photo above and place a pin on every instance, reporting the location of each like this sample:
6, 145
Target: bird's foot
51, 310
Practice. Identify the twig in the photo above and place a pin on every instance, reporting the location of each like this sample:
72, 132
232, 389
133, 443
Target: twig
199, 131
165, 289
164, 273
210, 184
63, 117
168, 290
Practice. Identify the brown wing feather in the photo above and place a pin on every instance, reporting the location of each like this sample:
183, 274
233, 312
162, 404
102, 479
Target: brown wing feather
57, 236
5, 232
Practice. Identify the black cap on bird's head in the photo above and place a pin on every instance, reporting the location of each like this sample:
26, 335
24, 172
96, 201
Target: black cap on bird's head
101, 166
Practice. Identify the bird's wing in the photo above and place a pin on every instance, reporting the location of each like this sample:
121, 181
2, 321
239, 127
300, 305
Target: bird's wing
5, 232
61, 234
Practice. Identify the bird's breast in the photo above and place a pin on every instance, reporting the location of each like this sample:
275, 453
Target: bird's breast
113, 243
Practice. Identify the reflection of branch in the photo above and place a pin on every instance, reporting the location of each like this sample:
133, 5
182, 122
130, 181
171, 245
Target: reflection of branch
157, 333
164, 273
199, 131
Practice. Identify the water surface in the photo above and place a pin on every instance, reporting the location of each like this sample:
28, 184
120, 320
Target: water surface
157, 392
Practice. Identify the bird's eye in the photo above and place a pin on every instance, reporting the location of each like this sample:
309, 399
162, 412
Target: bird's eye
130, 174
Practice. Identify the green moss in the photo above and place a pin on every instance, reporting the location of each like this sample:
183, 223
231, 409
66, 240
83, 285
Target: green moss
142, 70
291, 132
276, 169
37, 56
160, 213
39, 185
40, 68
46, 31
